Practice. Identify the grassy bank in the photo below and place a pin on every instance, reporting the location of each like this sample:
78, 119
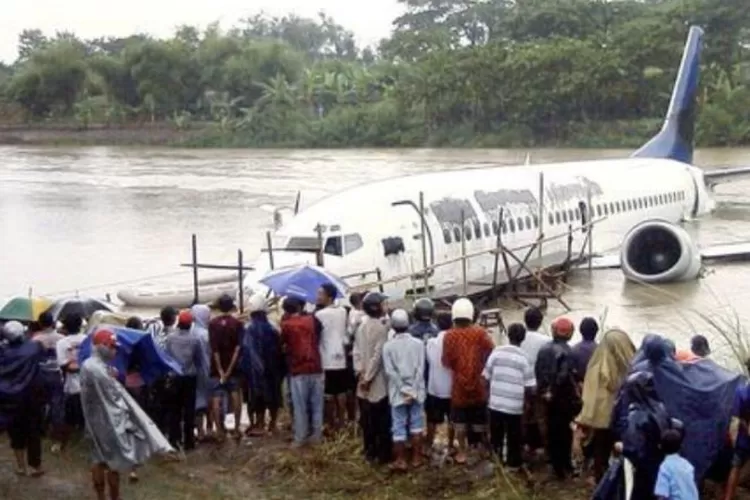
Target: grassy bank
269, 470
620, 134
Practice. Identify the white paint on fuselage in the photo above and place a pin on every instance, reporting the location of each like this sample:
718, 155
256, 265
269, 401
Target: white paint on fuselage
626, 192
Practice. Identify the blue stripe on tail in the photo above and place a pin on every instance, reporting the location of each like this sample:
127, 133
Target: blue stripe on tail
676, 137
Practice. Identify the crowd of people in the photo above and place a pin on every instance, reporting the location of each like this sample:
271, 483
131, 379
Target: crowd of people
399, 376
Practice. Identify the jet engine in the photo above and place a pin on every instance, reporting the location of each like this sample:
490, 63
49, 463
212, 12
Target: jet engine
657, 251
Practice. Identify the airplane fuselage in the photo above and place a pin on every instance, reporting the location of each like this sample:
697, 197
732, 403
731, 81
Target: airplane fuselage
378, 224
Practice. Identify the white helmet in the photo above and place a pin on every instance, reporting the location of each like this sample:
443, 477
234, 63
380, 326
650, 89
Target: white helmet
256, 303
462, 309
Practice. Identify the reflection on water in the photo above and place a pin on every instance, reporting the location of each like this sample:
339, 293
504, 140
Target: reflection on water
87, 218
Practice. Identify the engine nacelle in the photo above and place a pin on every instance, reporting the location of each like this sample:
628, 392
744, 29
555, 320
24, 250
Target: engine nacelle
657, 251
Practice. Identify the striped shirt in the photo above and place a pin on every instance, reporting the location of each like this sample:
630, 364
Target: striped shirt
509, 372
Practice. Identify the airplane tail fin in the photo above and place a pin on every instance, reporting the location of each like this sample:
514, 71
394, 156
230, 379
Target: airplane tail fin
676, 137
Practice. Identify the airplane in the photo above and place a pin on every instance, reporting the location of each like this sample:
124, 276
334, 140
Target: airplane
633, 205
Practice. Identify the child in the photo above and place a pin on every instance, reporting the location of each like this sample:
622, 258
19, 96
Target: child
676, 479
403, 360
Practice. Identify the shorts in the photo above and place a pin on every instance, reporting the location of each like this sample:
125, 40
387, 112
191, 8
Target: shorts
337, 382
230, 386
438, 410
473, 417
74, 411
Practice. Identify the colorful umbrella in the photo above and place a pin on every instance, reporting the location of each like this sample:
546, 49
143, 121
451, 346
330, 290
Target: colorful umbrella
24, 309
302, 281
83, 306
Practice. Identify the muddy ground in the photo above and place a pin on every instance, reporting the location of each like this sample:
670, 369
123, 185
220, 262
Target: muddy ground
265, 468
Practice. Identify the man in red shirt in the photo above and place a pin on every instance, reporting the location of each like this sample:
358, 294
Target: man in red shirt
300, 336
225, 337
466, 348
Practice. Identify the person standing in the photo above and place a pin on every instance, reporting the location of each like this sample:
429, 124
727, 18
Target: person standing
372, 390
404, 362
583, 350
184, 347
22, 397
203, 421
263, 365
699, 346
300, 334
437, 406
355, 316
159, 390
676, 477
512, 385
534, 420
558, 384
67, 359
739, 432
52, 378
225, 337
122, 436
333, 320
465, 351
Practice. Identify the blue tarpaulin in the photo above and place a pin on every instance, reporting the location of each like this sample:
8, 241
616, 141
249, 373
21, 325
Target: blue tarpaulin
136, 347
699, 393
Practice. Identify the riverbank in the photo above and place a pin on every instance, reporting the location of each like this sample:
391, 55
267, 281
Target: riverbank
268, 469
625, 134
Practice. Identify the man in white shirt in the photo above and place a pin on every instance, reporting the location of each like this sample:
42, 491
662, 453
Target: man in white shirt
67, 358
439, 385
512, 384
535, 339
333, 338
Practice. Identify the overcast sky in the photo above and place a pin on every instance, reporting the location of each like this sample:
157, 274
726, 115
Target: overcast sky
370, 20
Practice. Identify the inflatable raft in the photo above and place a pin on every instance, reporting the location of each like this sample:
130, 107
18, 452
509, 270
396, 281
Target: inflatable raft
179, 297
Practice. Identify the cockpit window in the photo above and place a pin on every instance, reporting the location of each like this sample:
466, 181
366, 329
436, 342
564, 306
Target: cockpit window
352, 243
302, 244
333, 246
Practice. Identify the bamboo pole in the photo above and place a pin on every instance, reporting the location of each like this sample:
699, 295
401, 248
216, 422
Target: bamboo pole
195, 269
319, 254
540, 234
270, 249
498, 242
591, 229
424, 242
463, 252
241, 280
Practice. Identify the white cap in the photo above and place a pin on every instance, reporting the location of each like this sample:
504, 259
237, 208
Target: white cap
256, 302
13, 330
462, 309
399, 319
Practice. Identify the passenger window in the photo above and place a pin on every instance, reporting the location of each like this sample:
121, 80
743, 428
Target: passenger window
612, 207
557, 217
477, 230
512, 225
565, 216
535, 218
352, 243
606, 209
629, 205
486, 230
520, 224
598, 210
494, 227
456, 234
447, 236
467, 232
640, 202
504, 226
333, 246
393, 245
551, 219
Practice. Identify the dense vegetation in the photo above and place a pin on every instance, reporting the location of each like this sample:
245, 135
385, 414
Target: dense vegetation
458, 72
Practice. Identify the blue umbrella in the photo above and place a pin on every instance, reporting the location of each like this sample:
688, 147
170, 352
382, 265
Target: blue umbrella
302, 281
134, 346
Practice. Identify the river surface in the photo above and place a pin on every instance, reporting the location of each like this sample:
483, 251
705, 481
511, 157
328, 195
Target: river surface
92, 220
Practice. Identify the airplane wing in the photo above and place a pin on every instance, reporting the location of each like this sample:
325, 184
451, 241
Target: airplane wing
718, 175
725, 252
